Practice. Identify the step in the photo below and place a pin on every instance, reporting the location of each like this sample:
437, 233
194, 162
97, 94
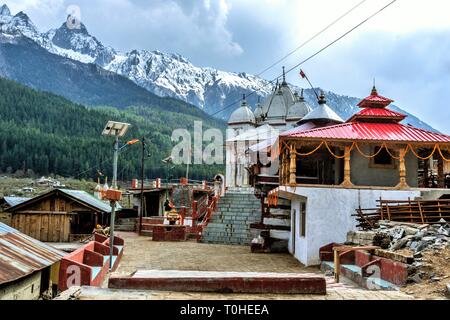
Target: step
229, 282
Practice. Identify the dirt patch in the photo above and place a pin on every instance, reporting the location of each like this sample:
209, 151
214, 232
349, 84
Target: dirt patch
435, 275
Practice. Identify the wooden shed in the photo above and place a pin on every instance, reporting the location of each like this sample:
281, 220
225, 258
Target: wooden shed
60, 215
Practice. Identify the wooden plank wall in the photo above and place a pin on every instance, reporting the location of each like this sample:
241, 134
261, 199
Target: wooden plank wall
46, 227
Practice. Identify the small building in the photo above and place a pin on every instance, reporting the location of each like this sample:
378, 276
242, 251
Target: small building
28, 267
60, 215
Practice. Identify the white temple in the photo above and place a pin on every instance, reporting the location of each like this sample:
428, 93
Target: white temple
281, 111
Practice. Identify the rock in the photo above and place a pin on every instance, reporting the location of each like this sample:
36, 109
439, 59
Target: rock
435, 279
422, 245
429, 238
414, 245
419, 235
397, 233
448, 288
410, 231
400, 243
415, 278
417, 255
442, 220
444, 231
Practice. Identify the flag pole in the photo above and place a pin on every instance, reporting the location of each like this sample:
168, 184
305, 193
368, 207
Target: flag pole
303, 75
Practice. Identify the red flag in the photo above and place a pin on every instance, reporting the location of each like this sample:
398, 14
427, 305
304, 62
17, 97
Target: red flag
302, 74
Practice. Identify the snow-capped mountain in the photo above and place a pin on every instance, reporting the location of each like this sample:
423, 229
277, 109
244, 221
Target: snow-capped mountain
167, 75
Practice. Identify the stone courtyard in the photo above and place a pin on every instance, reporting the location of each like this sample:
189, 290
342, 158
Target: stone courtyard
141, 253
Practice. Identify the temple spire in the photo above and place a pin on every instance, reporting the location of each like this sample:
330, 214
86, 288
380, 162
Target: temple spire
322, 98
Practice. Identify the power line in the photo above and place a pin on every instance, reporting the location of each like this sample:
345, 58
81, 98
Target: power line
315, 54
339, 38
312, 38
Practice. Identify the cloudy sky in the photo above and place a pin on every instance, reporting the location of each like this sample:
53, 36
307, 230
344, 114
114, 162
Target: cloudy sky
406, 47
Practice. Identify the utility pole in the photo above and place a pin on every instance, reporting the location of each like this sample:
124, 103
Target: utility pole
113, 202
187, 167
141, 211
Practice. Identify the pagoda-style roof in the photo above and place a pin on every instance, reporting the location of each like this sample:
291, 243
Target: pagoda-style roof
377, 114
375, 100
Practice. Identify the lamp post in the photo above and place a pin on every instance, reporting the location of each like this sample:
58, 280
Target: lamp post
167, 161
141, 211
117, 130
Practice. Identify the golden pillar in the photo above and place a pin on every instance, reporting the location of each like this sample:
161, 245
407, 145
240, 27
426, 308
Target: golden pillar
293, 167
347, 172
402, 170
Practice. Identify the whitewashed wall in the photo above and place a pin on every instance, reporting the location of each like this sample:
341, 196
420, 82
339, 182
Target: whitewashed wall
328, 215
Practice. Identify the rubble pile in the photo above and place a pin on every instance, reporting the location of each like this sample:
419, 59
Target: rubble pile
425, 247
394, 236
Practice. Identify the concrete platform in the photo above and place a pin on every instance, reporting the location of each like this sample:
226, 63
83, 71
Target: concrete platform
224, 282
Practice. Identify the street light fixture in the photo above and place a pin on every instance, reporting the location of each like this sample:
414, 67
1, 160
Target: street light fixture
167, 161
117, 130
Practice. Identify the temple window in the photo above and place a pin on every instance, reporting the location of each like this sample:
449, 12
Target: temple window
383, 159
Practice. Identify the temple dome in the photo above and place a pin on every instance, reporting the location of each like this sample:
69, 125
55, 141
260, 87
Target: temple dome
258, 112
243, 114
276, 108
299, 109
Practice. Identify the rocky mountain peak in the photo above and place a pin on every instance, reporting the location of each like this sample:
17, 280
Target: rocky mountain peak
4, 10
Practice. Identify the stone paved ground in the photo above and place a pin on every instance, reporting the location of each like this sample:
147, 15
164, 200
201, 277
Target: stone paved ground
143, 253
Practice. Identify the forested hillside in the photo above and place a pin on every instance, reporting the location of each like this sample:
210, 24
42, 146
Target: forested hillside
41, 133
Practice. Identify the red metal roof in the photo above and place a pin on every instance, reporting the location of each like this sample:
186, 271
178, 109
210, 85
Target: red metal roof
375, 100
365, 131
377, 113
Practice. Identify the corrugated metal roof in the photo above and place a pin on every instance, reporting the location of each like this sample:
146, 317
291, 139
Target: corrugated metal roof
14, 201
375, 100
354, 131
89, 199
21, 255
78, 195
377, 113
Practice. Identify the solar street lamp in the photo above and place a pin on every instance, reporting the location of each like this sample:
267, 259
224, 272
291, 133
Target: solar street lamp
117, 130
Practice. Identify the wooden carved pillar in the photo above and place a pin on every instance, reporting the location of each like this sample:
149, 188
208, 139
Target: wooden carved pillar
283, 168
441, 175
426, 173
347, 172
286, 167
293, 167
402, 170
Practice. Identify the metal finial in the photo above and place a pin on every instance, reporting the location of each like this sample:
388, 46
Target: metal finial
322, 97
284, 75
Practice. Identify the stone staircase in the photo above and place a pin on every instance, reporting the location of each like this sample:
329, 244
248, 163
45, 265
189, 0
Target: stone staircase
230, 223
